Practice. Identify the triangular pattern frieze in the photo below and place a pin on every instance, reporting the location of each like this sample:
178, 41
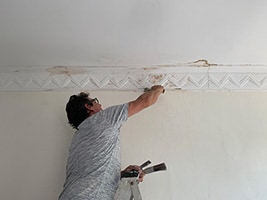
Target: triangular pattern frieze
134, 78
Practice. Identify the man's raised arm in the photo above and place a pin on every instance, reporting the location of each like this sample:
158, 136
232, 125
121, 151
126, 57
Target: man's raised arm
145, 100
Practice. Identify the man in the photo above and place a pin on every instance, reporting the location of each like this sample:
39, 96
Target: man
93, 167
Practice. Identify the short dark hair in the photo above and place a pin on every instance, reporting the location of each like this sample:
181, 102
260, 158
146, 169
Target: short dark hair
75, 108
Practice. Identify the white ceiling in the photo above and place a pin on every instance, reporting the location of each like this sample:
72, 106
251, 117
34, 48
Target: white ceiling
87, 35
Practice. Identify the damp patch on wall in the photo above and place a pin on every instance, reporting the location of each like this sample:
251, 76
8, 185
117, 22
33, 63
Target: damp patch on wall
197, 75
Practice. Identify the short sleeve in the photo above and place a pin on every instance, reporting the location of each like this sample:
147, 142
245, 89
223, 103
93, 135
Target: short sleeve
116, 115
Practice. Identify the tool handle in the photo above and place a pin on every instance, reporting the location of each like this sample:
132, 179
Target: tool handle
132, 173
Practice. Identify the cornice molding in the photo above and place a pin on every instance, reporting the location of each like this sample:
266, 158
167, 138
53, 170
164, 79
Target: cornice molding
198, 75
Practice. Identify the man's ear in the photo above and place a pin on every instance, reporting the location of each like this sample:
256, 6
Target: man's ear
88, 106
90, 109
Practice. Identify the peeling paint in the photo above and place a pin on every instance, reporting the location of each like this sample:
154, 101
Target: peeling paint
198, 63
150, 68
201, 63
197, 75
65, 70
156, 78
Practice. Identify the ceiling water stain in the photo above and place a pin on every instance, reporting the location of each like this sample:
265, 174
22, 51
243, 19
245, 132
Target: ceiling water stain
64, 70
156, 78
201, 63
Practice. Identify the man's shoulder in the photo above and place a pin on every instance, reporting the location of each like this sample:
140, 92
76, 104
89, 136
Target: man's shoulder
117, 107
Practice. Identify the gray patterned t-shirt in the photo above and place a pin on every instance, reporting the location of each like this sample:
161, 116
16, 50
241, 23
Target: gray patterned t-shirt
94, 163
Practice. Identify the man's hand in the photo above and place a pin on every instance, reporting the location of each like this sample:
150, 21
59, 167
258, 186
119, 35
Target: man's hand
137, 168
155, 87
158, 87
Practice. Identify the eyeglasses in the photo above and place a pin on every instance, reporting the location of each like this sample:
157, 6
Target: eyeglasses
94, 100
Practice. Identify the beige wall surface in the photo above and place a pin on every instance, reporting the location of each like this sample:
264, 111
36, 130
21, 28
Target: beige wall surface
213, 143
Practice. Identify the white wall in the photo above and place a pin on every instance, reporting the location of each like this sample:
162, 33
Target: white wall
213, 143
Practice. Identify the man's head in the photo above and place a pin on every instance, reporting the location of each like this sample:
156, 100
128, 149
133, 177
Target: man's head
79, 107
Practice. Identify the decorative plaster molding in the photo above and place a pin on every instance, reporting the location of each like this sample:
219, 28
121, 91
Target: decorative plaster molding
198, 75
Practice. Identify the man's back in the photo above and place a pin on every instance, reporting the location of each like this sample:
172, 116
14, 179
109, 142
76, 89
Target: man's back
93, 169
